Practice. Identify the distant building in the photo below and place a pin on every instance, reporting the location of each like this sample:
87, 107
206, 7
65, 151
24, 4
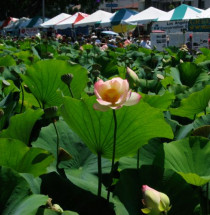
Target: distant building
113, 5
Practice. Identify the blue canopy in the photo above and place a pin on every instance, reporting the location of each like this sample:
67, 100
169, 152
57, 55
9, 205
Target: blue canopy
122, 15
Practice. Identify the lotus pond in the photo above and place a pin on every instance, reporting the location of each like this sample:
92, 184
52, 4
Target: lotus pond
59, 155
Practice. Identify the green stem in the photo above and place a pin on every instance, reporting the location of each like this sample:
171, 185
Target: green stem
138, 153
207, 198
57, 146
72, 95
114, 148
99, 174
21, 87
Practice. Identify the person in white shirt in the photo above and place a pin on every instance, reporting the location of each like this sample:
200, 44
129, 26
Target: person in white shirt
145, 43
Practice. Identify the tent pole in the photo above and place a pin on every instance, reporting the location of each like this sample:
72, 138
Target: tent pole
43, 10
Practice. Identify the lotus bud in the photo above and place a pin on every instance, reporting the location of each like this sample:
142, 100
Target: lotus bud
156, 202
132, 78
67, 78
57, 208
181, 61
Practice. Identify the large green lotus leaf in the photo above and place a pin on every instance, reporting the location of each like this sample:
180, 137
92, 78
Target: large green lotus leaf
196, 103
27, 57
85, 180
182, 197
21, 125
189, 157
7, 61
189, 72
159, 101
136, 125
14, 195
18, 156
82, 157
44, 79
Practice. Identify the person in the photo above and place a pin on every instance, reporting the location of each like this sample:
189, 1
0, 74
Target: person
145, 43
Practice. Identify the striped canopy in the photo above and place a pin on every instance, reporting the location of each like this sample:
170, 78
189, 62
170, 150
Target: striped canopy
117, 18
55, 20
182, 12
145, 16
93, 19
205, 14
71, 21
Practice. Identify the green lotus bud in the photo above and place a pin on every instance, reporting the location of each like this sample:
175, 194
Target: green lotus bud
67, 78
156, 202
132, 78
57, 208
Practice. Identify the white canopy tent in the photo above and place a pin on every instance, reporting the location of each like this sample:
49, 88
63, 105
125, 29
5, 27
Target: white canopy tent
55, 20
93, 19
205, 14
145, 16
182, 12
71, 21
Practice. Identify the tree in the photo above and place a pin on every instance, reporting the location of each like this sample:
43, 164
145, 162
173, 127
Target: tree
31, 8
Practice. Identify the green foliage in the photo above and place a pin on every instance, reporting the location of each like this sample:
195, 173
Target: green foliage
196, 103
138, 122
21, 125
16, 199
27, 160
188, 157
44, 81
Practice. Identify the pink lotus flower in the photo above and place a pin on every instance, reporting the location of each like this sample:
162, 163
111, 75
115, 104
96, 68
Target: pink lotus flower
155, 202
114, 94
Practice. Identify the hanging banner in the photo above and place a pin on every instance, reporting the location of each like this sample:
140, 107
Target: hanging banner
199, 25
28, 32
170, 26
158, 40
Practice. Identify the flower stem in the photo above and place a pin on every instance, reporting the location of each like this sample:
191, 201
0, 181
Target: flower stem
21, 87
57, 146
207, 198
114, 148
99, 174
70, 91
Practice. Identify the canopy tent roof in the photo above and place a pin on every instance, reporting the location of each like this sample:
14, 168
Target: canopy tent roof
17, 24
118, 18
71, 21
205, 14
145, 16
55, 20
35, 22
93, 18
182, 12
7, 22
